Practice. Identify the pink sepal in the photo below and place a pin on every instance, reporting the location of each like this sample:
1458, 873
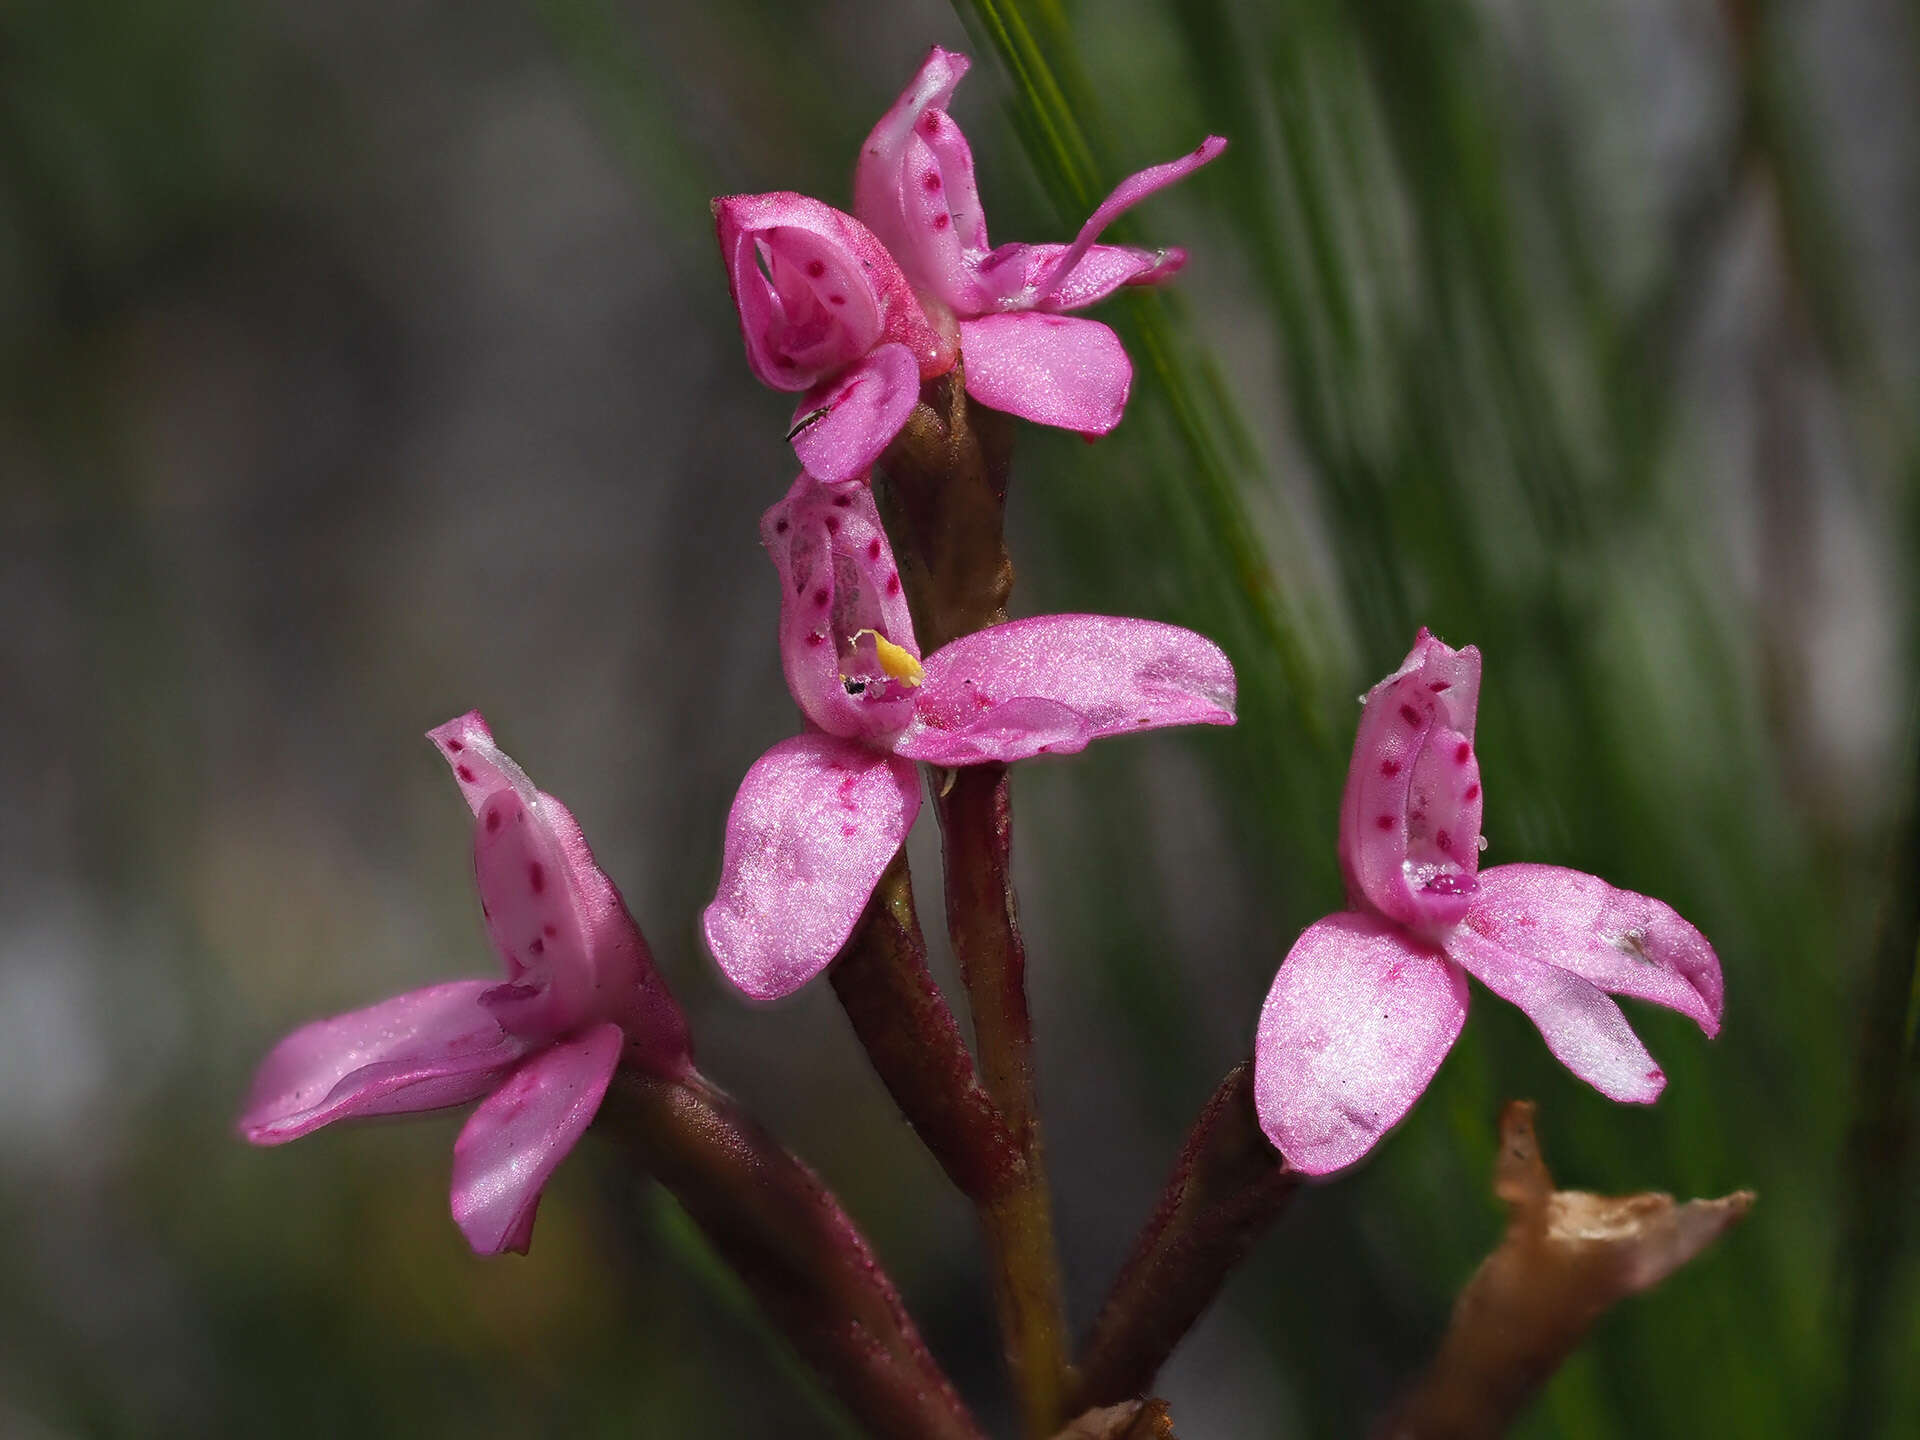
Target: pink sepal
1128, 193
1357, 1022
1627, 944
1049, 369
1054, 682
1582, 1027
815, 823
423, 1050
512, 1144
1410, 815
837, 581
815, 291
842, 424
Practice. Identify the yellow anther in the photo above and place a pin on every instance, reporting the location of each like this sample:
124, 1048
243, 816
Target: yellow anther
896, 660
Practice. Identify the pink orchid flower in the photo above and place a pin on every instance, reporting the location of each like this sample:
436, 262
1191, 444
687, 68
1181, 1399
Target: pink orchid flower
825, 309
914, 188
1369, 1001
819, 816
580, 998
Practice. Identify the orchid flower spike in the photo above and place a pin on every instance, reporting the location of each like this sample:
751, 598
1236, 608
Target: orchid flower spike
914, 188
581, 997
819, 816
825, 309
1369, 1000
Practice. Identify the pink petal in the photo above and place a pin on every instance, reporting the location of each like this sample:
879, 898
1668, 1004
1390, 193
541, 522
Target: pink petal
1410, 815
571, 950
420, 1051
1016, 729
1049, 369
1583, 1028
1357, 1022
520, 1134
1013, 272
627, 988
816, 821
1054, 682
838, 581
1126, 195
1627, 944
914, 186
816, 291
479, 766
842, 425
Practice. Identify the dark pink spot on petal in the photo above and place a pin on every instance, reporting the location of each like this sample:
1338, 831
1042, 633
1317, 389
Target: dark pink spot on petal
873, 549
1657, 1075
548, 931
836, 299
454, 747
942, 220
537, 876
464, 773
1389, 768
931, 180
816, 268
841, 502
1440, 687
1445, 842
814, 637
893, 584
833, 524
1472, 792
493, 821
849, 831
1383, 822
1409, 714
780, 527
785, 362
820, 596
1463, 754
931, 124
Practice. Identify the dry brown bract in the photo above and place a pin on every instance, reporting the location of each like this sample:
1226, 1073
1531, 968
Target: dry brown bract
1566, 1258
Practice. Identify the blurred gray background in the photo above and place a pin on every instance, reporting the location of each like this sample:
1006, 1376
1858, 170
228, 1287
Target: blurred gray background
363, 364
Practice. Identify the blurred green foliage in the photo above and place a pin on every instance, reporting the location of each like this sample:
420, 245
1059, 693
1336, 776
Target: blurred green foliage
1439, 361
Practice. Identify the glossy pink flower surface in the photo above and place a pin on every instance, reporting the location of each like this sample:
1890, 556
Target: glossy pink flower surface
819, 816
914, 188
825, 309
580, 997
1369, 1001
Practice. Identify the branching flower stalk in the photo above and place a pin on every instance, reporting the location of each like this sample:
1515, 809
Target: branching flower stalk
913, 343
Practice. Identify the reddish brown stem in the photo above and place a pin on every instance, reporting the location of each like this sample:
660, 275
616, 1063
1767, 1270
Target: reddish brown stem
916, 1048
787, 1238
977, 822
942, 488
1228, 1186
